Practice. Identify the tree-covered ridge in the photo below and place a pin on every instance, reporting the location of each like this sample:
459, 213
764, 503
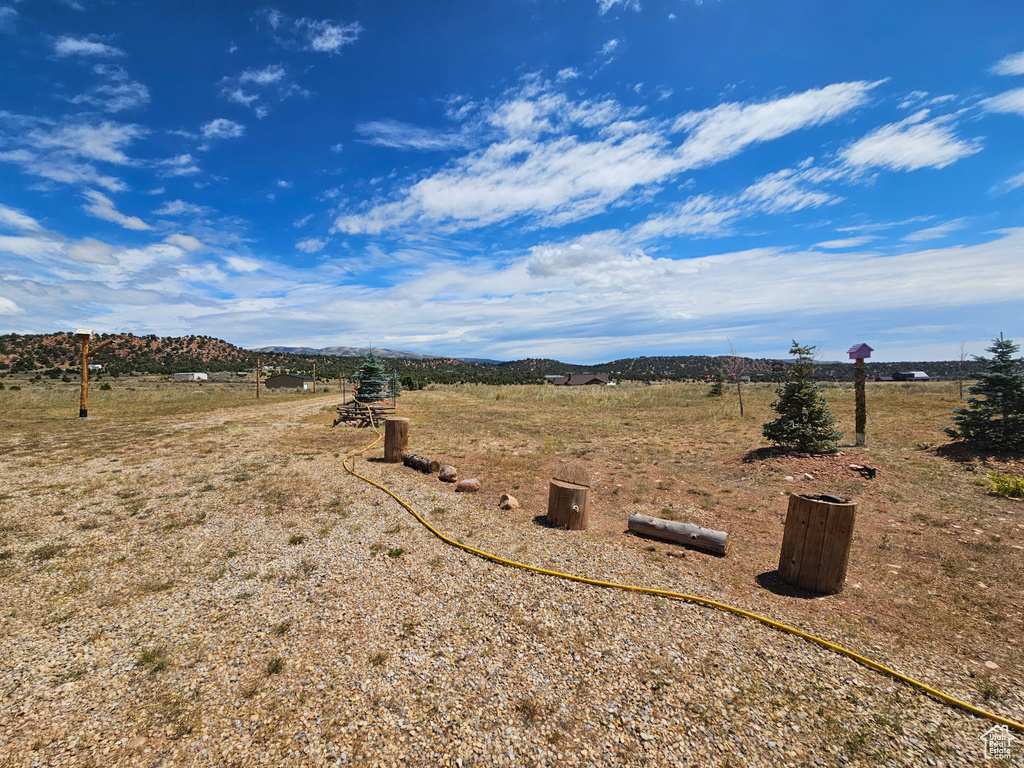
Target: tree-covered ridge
173, 354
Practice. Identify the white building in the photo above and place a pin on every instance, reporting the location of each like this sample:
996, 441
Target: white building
191, 377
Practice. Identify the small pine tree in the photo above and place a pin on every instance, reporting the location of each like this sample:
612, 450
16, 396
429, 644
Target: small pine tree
804, 423
997, 421
716, 384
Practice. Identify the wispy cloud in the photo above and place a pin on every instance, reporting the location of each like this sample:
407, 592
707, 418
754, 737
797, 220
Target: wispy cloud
119, 93
1011, 102
311, 245
910, 144
844, 242
318, 35
398, 135
558, 160
182, 208
603, 6
253, 87
12, 219
102, 207
222, 128
1010, 65
84, 46
936, 232
723, 131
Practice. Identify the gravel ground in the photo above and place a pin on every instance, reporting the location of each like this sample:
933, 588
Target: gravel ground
217, 591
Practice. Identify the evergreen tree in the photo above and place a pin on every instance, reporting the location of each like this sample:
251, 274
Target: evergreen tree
716, 384
804, 423
997, 421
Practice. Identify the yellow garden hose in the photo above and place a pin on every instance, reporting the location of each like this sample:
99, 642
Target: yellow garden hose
934, 693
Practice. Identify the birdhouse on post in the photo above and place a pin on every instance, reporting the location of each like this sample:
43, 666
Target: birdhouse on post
858, 353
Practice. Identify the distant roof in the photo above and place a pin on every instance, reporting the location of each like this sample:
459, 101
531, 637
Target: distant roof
293, 376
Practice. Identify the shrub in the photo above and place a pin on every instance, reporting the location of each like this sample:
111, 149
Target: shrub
804, 423
105, 386
1005, 485
997, 421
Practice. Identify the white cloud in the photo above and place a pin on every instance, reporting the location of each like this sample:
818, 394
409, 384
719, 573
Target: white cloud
185, 242
222, 128
270, 81
12, 219
603, 6
284, 184
80, 46
242, 264
180, 165
909, 145
1015, 181
62, 170
300, 223
8, 18
1010, 102
398, 135
1010, 65
318, 35
180, 207
311, 245
609, 48
844, 242
568, 73
8, 307
936, 232
560, 160
103, 141
92, 251
723, 131
102, 207
118, 94
337, 147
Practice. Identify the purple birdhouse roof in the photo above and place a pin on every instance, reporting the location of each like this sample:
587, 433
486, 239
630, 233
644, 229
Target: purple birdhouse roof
859, 351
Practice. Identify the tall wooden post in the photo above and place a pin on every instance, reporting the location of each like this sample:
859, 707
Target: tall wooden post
85, 337
859, 377
257, 378
858, 353
314, 378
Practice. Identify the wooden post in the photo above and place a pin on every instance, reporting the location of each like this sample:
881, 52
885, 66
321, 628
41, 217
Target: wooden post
568, 497
257, 378
859, 377
816, 543
83, 408
314, 378
396, 438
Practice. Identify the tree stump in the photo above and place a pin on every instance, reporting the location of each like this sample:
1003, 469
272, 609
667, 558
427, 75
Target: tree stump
816, 543
396, 438
568, 497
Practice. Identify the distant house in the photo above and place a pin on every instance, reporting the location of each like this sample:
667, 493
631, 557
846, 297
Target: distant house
95, 367
579, 379
191, 377
910, 376
289, 381
884, 378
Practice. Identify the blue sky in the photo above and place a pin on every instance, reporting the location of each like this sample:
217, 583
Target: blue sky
578, 179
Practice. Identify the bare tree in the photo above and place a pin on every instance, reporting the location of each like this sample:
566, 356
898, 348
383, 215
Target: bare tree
735, 367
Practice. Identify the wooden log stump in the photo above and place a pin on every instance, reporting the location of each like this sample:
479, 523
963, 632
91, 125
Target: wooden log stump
568, 505
816, 543
396, 438
680, 533
422, 463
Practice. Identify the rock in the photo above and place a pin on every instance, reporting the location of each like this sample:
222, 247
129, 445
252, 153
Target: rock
808, 475
448, 474
991, 665
469, 485
788, 478
137, 742
508, 502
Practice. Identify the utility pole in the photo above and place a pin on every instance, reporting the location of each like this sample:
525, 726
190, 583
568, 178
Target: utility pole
314, 378
257, 378
85, 336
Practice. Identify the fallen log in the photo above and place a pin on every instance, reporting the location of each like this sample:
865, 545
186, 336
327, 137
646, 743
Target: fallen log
422, 463
680, 533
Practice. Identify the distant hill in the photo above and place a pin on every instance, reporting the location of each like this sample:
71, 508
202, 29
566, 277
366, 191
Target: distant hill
172, 354
361, 351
